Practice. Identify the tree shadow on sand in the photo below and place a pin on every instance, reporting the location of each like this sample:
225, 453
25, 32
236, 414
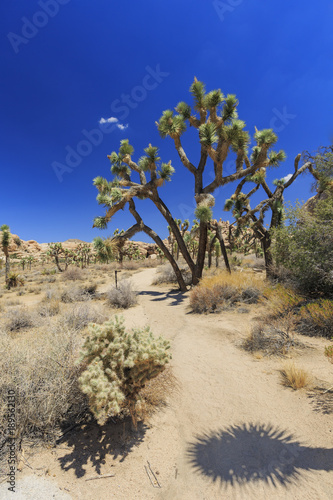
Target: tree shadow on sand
92, 443
176, 296
250, 453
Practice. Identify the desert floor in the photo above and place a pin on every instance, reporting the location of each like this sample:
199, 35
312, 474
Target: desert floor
229, 429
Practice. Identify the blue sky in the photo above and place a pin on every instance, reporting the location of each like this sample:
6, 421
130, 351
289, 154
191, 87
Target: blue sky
66, 64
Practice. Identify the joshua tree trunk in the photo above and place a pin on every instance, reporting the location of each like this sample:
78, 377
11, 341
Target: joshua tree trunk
266, 243
201, 250
223, 249
7, 268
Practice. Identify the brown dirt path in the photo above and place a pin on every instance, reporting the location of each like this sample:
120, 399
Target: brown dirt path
230, 431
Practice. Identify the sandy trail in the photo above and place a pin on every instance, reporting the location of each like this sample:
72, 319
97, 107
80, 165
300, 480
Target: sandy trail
230, 431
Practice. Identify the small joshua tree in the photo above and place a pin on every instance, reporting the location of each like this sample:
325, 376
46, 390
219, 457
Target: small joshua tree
119, 363
5, 239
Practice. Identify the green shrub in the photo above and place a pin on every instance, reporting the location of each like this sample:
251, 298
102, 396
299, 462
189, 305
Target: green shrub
118, 364
316, 318
305, 247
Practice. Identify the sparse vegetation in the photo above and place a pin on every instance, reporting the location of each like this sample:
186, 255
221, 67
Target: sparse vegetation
44, 377
123, 296
224, 290
118, 364
294, 377
316, 318
19, 319
271, 339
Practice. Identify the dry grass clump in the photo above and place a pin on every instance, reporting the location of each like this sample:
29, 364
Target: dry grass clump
155, 392
73, 274
224, 289
19, 319
49, 308
166, 274
294, 377
74, 294
282, 300
123, 297
316, 318
44, 376
80, 315
273, 339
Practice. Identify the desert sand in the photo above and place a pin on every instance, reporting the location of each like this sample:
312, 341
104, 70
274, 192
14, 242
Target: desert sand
229, 430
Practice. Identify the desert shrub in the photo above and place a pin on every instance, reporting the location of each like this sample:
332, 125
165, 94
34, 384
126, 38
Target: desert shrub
131, 265
49, 308
14, 280
118, 364
294, 377
224, 290
305, 247
166, 274
282, 300
90, 289
19, 319
73, 274
44, 377
124, 296
270, 339
80, 315
51, 294
17, 241
316, 318
74, 294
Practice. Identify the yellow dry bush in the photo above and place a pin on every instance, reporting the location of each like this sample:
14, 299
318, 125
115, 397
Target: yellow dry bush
317, 318
294, 377
282, 300
213, 292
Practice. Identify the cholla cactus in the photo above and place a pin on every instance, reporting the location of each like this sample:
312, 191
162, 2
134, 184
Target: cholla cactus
119, 363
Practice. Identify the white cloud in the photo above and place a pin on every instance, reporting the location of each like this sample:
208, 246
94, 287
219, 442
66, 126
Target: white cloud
112, 119
121, 126
287, 177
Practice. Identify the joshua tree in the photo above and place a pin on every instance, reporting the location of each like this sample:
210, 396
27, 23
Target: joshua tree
5, 239
56, 250
239, 203
104, 249
30, 260
214, 118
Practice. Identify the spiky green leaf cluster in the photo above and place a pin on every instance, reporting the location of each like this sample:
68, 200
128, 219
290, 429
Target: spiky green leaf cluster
5, 236
119, 363
203, 213
229, 203
170, 124
213, 99
125, 148
207, 134
258, 177
275, 158
229, 109
100, 222
198, 90
184, 110
166, 171
265, 137
256, 150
